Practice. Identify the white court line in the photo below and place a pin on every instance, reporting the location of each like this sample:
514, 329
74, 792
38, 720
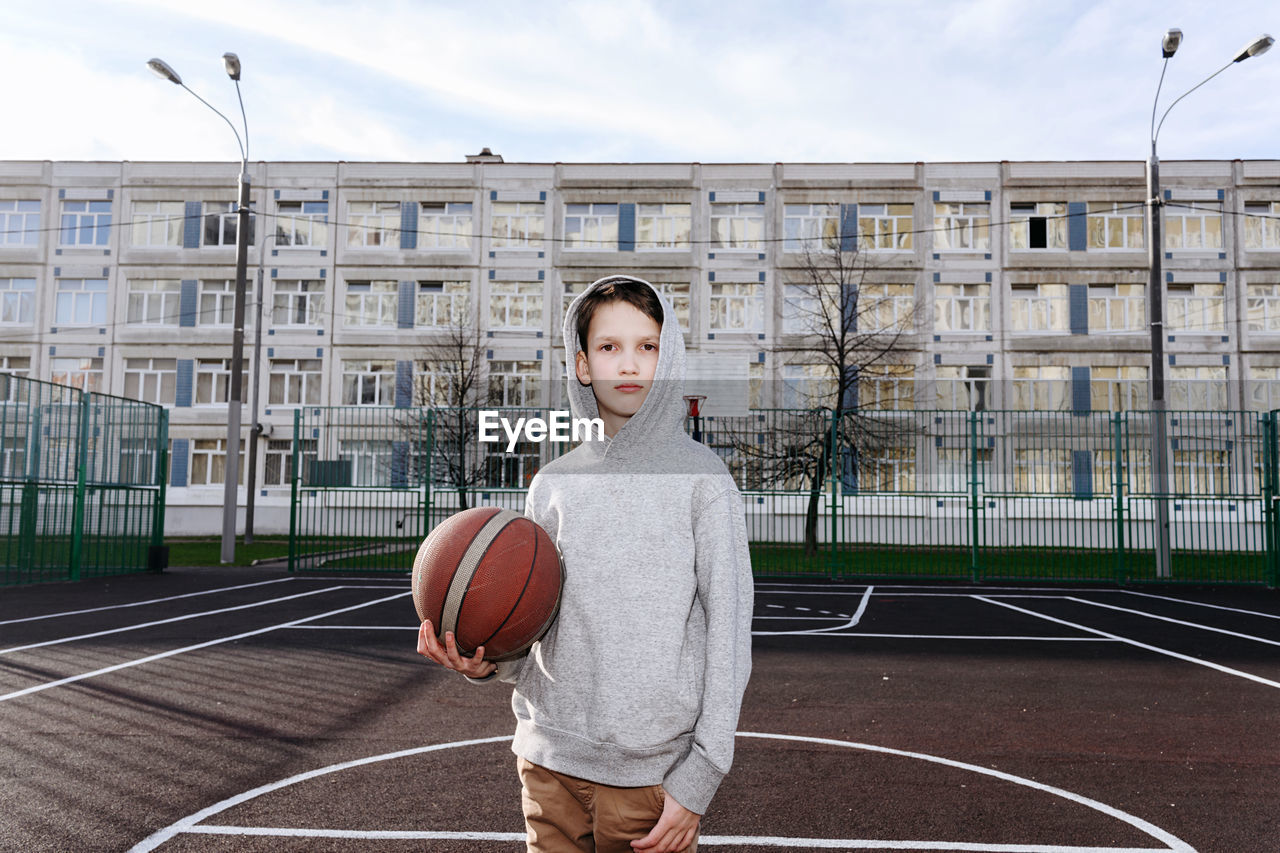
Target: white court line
1150, 648
1175, 621
853, 621
413, 628
140, 625
1198, 603
949, 636
108, 669
141, 603
703, 841
1172, 842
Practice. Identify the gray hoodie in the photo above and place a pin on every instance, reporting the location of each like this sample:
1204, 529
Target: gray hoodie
640, 679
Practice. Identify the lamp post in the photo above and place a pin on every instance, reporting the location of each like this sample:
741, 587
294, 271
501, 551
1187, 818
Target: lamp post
235, 394
1155, 295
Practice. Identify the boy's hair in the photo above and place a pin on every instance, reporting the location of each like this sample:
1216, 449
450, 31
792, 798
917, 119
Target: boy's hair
634, 293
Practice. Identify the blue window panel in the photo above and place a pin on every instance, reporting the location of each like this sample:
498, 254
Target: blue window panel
1082, 474
848, 470
191, 226
179, 459
1077, 226
399, 464
626, 228
1081, 400
850, 400
404, 384
1078, 305
404, 306
184, 381
848, 228
849, 307
408, 225
187, 302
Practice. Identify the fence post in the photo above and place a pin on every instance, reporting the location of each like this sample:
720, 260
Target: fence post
1270, 482
296, 471
429, 451
1117, 450
975, 525
162, 479
834, 442
82, 464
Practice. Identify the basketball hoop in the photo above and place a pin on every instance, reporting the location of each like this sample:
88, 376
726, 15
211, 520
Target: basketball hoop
694, 401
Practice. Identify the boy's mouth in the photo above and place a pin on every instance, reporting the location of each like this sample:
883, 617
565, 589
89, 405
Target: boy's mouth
627, 388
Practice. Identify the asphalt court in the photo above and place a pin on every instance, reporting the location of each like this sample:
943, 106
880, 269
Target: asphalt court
253, 710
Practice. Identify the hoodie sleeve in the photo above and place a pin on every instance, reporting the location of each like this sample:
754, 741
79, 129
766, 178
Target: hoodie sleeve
727, 595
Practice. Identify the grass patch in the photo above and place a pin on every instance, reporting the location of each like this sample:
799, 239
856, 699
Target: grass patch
207, 550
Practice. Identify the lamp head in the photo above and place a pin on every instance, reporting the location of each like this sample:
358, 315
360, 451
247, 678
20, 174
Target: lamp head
232, 63
1172, 39
162, 69
1257, 47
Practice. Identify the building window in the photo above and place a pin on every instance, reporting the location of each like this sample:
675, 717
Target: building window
1202, 471
152, 380
517, 224
217, 302
678, 295
441, 304
157, 223
961, 227
887, 387
737, 307
297, 302
85, 223
1196, 308
1042, 471
885, 307
304, 224
515, 305
19, 223
1038, 225
663, 227
1117, 307
153, 302
82, 373
737, 226
810, 227
369, 382
81, 302
1264, 388
886, 227
209, 462
1262, 303
1193, 226
278, 467
17, 301
373, 224
591, 226
1115, 225
1118, 389
1261, 225
515, 383
372, 303
221, 221
955, 467
12, 366
435, 383
294, 382
213, 381
1198, 388
887, 469
1041, 387
445, 225
963, 388
1039, 308
803, 307
370, 461
962, 308
806, 386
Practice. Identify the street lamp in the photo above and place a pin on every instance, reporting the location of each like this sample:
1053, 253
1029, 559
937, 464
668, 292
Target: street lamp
1155, 253
236, 392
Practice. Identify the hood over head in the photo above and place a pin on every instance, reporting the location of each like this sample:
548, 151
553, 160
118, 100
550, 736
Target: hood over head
662, 415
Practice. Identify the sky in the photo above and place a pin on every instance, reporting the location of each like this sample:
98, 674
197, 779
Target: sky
638, 80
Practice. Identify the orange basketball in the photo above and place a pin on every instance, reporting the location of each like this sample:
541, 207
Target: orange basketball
492, 577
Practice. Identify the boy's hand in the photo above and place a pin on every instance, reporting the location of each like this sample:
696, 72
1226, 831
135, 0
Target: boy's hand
674, 831
447, 655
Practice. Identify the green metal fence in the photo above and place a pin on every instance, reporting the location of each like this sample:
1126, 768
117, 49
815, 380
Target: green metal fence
82, 482
980, 496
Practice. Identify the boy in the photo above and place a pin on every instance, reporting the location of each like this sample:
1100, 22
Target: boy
626, 709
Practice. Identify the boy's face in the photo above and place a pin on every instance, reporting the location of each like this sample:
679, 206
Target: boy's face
621, 359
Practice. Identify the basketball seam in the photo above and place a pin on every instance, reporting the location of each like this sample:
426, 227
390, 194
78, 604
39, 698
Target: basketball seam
450, 622
555, 611
496, 533
527, 579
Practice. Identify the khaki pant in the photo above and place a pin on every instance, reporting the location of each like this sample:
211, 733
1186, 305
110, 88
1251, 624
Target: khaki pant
564, 814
